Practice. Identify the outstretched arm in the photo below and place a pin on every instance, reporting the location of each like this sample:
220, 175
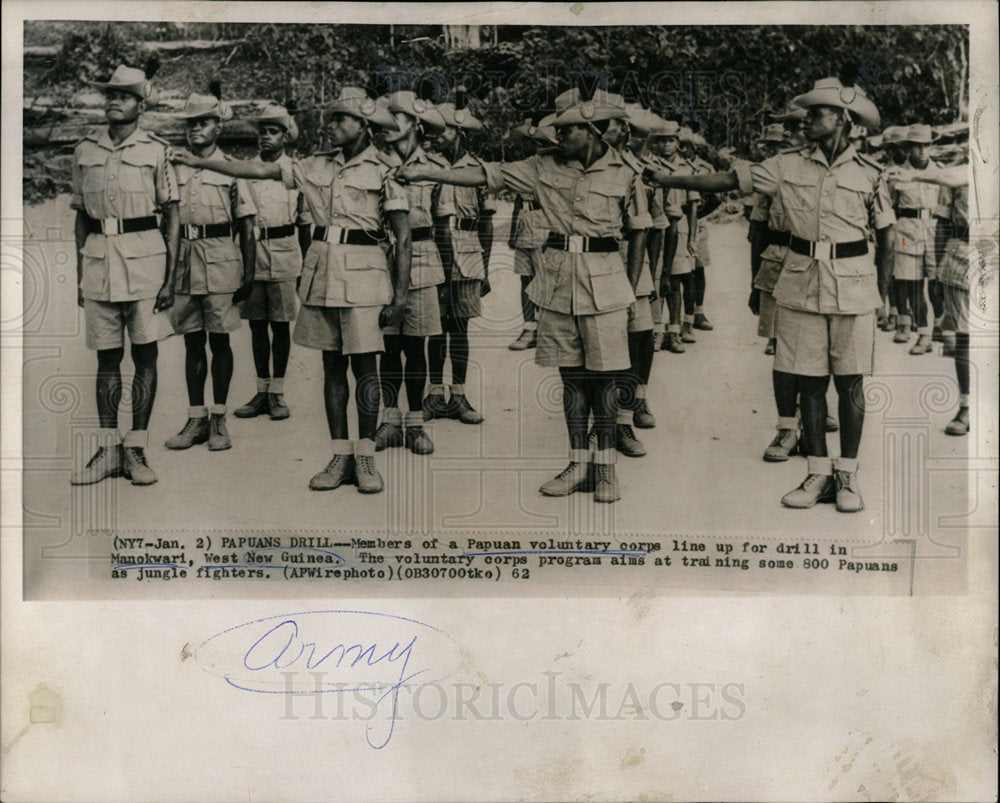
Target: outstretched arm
706, 182
473, 176
237, 168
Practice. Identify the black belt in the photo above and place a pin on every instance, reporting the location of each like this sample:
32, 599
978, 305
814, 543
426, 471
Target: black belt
466, 223
778, 237
421, 233
578, 243
117, 225
276, 232
196, 231
531, 206
347, 236
827, 250
920, 213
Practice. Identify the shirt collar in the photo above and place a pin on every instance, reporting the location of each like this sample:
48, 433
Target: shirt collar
105, 139
369, 154
846, 155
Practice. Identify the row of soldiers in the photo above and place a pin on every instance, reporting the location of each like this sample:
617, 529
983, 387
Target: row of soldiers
396, 240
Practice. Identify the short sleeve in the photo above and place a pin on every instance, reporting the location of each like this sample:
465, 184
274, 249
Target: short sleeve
519, 176
243, 205
394, 198
882, 214
167, 186
302, 214
76, 199
764, 177
292, 172
637, 208
443, 201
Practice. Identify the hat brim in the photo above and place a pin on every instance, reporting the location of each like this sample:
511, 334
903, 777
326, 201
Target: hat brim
381, 116
132, 89
861, 107
287, 123
575, 116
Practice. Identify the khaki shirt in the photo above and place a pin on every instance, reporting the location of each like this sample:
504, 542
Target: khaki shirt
131, 179
467, 203
424, 199
596, 201
916, 235
954, 269
210, 264
278, 258
835, 203
351, 194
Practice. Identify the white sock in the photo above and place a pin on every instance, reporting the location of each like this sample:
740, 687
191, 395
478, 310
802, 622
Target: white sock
624, 416
393, 416
530, 326
579, 455
262, 383
605, 457
458, 390
365, 446
414, 418
277, 384
198, 412
846, 464
436, 390
791, 422
699, 309
218, 409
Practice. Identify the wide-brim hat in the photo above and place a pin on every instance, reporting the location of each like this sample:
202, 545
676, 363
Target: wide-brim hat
354, 101
197, 106
590, 111
952, 130
665, 128
278, 115
790, 114
893, 134
640, 119
920, 133
775, 132
537, 132
699, 140
573, 97
131, 80
423, 110
831, 92
686, 134
459, 118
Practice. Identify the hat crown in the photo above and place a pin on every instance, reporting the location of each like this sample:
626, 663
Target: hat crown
920, 133
198, 105
128, 79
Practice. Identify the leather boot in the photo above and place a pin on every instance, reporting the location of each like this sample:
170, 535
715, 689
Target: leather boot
368, 478
218, 435
701, 322
135, 466
673, 343
959, 425
627, 443
339, 471
902, 333
435, 406
845, 477
577, 476
832, 424
784, 445
687, 334
258, 405
771, 346
528, 339
463, 411
417, 440
277, 408
107, 461
818, 486
923, 345
642, 418
195, 431
606, 483
388, 436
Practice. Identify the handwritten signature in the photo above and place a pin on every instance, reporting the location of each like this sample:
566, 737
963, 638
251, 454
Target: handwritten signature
359, 650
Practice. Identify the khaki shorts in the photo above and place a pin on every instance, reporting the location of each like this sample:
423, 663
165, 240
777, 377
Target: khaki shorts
271, 301
527, 261
597, 342
768, 309
422, 316
956, 307
683, 261
106, 322
349, 330
640, 315
911, 266
464, 299
703, 259
213, 313
813, 344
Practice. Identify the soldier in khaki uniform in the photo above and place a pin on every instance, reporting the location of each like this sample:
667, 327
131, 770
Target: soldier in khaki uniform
349, 285
214, 274
282, 238
465, 236
422, 318
914, 263
692, 146
125, 266
527, 236
828, 290
589, 195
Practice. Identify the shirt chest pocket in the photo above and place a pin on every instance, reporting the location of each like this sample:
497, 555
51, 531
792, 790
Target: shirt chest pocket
214, 194
135, 174
799, 191
362, 191
421, 198
850, 201
92, 169
605, 202
557, 192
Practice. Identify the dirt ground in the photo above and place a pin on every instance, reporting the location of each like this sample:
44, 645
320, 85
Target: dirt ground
703, 474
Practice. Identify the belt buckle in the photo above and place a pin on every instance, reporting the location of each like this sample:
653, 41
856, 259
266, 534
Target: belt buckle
822, 249
263, 233
193, 231
335, 234
575, 243
111, 225
925, 214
